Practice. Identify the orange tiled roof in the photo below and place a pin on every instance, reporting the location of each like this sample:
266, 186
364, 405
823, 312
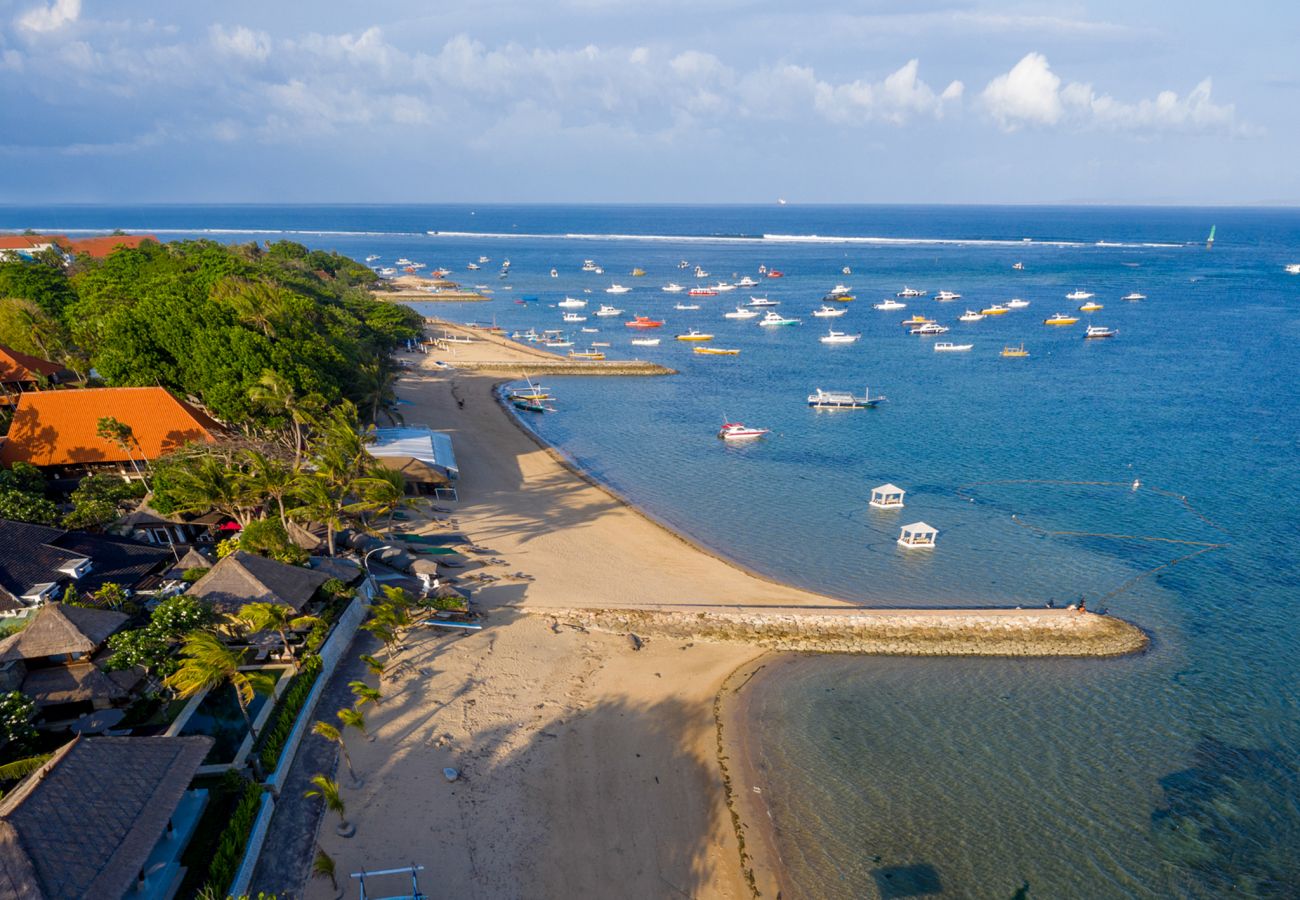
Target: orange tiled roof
57, 428
17, 367
99, 247
28, 241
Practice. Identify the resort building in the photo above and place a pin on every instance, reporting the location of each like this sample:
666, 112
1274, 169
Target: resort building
58, 430
106, 817
424, 457
56, 660
26, 246
145, 523
21, 372
38, 563
243, 578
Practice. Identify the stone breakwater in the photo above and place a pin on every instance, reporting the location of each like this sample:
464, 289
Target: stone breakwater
993, 632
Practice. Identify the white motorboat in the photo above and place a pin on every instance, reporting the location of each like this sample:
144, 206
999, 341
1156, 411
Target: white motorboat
820, 399
574, 317
473, 267
889, 305
829, 312
483, 259
1133, 297
839, 337
722, 287
591, 331
840, 290
371, 258
617, 289
646, 342
589, 265
910, 292
1017, 303
1019, 267
1099, 331
946, 296
558, 344
687, 306
747, 282
607, 310
1079, 295
672, 288
1291, 269
970, 316
741, 313
403, 261
763, 301
950, 347
571, 303
734, 431
774, 319
930, 328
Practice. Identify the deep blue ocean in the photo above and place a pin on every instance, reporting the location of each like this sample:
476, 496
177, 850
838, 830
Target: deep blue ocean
1175, 773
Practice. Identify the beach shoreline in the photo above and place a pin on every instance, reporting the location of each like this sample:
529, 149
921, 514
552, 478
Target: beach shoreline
576, 737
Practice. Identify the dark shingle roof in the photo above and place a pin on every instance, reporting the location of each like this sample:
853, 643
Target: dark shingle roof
77, 683
57, 629
247, 578
32, 554
84, 824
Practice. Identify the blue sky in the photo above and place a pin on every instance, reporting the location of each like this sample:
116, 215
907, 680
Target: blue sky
674, 101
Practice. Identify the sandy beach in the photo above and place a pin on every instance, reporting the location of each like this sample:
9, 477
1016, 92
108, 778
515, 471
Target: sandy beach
588, 767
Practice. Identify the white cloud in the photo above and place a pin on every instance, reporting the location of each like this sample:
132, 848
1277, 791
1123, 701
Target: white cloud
42, 19
901, 96
1031, 94
241, 42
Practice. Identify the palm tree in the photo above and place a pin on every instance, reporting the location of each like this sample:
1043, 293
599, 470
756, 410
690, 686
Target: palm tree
274, 392
374, 666
330, 733
351, 717
386, 493
207, 664
323, 867
21, 768
117, 432
267, 478
208, 483
275, 617
365, 693
328, 790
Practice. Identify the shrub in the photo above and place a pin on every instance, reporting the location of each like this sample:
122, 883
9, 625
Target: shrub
274, 734
229, 851
194, 574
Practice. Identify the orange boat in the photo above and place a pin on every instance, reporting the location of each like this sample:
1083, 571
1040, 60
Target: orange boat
643, 322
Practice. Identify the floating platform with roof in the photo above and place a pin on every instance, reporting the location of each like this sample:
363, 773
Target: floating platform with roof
887, 496
918, 536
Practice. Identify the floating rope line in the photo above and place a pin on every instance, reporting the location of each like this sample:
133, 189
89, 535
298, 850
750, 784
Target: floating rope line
1203, 546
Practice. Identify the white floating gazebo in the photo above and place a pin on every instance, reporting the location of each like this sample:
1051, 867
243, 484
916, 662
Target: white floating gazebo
918, 536
887, 496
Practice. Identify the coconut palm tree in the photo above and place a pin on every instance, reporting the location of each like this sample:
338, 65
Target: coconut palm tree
322, 866
209, 482
351, 717
331, 733
386, 492
266, 478
365, 693
273, 391
374, 666
207, 663
277, 617
328, 790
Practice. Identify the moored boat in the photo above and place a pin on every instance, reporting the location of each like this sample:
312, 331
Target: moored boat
910, 292
763, 301
946, 296
820, 399
996, 309
1079, 295
740, 313
828, 312
775, 319
590, 353
1091, 306
672, 287
970, 316
687, 306
574, 317
839, 337
1017, 303
1096, 332
916, 320
607, 310
1019, 266
570, 303
617, 288
646, 342
950, 347
694, 335
1060, 319
930, 328
735, 431
703, 292
1015, 351
1133, 297
643, 322
747, 282
889, 305
715, 351
638, 272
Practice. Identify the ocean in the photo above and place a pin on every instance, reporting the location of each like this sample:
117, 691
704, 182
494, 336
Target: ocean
1174, 773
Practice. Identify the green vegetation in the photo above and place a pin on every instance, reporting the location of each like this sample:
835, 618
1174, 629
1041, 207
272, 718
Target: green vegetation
100, 500
275, 617
206, 664
217, 848
17, 733
270, 743
152, 647
22, 496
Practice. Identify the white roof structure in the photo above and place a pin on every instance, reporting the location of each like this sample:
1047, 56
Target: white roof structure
920, 528
416, 442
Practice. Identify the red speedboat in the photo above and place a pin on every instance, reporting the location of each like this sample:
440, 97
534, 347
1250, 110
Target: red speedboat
734, 431
643, 322
773, 273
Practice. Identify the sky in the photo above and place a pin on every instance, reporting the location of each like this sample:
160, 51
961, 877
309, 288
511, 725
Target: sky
625, 101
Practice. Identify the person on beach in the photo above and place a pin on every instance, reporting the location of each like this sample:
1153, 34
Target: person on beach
1083, 605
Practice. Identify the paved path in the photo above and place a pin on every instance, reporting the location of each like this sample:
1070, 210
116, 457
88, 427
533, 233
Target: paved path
285, 863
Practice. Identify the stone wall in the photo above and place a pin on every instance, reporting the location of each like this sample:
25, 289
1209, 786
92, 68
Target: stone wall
900, 633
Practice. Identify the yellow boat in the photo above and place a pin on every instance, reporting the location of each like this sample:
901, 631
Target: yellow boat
715, 351
995, 310
638, 272
1091, 306
1015, 351
917, 319
694, 335
1059, 319
586, 354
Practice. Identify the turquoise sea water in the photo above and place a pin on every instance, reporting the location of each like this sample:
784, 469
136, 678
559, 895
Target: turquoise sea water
1172, 773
